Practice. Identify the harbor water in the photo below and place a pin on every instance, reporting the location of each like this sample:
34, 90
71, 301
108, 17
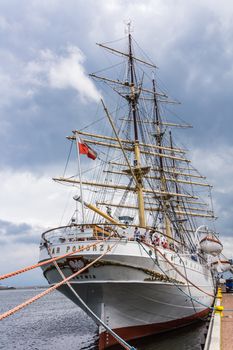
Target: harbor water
54, 322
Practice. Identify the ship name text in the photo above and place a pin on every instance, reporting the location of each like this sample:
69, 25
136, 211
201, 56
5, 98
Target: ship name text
94, 248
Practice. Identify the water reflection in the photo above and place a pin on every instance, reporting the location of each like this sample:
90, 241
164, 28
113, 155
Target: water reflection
186, 338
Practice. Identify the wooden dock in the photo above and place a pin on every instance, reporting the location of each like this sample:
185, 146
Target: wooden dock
227, 322
220, 331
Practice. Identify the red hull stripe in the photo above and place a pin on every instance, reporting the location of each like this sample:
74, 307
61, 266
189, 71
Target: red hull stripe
135, 332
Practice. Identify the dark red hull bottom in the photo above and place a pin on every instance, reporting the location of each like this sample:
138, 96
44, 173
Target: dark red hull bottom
136, 332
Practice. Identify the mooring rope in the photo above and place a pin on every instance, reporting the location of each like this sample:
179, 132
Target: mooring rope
51, 289
180, 273
177, 286
31, 267
89, 311
189, 296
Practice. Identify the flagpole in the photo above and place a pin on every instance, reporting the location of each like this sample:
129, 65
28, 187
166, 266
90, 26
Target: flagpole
80, 176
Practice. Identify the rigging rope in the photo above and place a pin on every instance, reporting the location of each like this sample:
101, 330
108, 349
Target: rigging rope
197, 301
68, 158
191, 298
180, 273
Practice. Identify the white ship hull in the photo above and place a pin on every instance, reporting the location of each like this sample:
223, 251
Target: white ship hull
130, 292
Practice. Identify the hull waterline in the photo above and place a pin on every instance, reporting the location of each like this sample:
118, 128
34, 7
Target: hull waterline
137, 332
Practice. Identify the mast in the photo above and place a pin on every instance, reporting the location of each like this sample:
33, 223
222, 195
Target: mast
159, 136
177, 210
80, 177
137, 162
158, 171
174, 167
132, 88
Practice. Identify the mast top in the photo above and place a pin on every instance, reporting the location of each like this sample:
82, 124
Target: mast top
128, 28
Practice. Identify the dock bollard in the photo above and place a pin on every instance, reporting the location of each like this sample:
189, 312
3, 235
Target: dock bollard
219, 309
219, 293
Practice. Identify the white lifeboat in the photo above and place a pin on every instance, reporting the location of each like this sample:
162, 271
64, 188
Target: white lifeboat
211, 245
222, 265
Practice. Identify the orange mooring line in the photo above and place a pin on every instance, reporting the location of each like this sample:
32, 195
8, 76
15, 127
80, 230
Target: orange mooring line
31, 267
51, 289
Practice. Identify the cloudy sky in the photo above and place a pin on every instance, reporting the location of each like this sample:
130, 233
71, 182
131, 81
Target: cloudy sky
47, 47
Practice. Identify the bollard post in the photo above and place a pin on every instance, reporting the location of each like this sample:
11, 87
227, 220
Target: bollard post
219, 310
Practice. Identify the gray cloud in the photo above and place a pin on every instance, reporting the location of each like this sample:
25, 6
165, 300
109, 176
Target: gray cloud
225, 210
195, 63
9, 228
19, 232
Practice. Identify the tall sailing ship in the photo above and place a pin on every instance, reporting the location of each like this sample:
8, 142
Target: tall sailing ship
142, 208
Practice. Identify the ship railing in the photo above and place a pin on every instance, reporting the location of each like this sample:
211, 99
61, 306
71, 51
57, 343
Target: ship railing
81, 232
89, 232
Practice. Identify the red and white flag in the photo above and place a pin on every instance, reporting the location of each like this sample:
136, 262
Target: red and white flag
85, 149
